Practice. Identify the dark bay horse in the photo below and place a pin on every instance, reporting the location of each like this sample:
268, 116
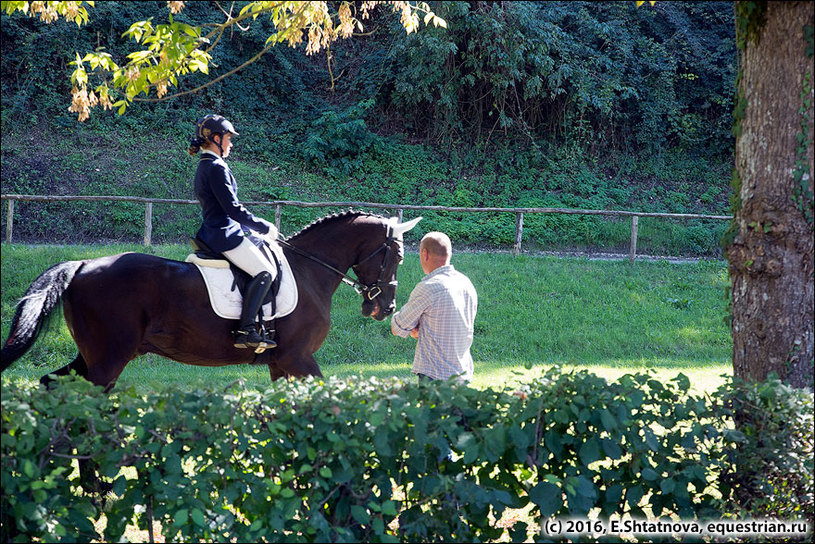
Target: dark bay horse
122, 306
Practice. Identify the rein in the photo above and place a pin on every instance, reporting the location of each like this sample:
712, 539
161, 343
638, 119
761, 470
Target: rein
370, 291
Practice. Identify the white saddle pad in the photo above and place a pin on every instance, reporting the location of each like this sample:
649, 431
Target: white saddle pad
227, 303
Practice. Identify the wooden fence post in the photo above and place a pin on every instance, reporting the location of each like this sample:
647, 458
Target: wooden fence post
148, 223
635, 219
10, 221
519, 229
399, 213
278, 211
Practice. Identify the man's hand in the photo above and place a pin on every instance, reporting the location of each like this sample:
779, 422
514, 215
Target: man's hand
415, 333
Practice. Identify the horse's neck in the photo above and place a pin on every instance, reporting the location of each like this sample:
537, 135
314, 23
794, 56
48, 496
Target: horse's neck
337, 244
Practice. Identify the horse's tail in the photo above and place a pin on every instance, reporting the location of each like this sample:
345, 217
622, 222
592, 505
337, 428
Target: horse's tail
34, 308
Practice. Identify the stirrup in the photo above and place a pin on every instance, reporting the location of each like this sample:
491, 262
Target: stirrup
267, 341
247, 339
266, 344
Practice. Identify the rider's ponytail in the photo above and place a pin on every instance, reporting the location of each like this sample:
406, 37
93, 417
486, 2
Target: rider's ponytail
195, 145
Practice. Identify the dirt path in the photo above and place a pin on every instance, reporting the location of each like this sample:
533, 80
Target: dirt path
590, 255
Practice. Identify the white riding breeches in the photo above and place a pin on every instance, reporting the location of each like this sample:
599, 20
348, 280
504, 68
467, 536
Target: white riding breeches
250, 259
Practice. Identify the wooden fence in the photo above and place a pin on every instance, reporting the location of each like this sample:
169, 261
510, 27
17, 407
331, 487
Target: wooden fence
399, 208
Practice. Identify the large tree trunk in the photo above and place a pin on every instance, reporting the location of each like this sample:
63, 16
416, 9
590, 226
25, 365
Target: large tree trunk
771, 258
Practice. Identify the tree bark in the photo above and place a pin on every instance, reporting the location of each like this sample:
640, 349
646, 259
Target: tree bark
771, 257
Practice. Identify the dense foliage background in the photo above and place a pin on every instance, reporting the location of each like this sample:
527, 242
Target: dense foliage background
562, 104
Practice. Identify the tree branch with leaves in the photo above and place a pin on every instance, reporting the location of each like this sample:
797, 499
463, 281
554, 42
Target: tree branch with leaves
173, 50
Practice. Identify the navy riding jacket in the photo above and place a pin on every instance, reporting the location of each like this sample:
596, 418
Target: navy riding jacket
224, 216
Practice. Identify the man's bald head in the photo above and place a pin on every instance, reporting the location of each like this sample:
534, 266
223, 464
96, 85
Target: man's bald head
438, 250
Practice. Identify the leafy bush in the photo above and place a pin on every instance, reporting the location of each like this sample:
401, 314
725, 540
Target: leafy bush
372, 460
338, 141
772, 467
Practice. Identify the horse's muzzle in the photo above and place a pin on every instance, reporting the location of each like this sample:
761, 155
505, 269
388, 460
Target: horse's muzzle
372, 308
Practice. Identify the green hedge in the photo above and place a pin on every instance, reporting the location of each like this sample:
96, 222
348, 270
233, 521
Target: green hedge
361, 460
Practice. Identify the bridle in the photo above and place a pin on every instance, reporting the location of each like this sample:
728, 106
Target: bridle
368, 291
373, 290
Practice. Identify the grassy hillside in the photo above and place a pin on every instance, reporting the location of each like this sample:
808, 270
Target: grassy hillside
100, 160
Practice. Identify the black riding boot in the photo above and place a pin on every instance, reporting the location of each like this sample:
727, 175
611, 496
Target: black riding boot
247, 335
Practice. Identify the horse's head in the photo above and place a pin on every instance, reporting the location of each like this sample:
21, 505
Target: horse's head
377, 270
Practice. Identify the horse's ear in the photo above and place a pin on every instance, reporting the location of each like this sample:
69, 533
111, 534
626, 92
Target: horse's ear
400, 228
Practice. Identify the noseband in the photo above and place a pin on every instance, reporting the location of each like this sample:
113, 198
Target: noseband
369, 291
373, 290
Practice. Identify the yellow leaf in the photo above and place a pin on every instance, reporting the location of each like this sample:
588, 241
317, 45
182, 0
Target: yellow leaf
411, 24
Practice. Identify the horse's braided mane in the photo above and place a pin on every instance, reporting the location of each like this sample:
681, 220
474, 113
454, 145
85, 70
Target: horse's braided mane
329, 219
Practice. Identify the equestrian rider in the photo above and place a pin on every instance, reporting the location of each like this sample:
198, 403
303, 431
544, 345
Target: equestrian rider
226, 220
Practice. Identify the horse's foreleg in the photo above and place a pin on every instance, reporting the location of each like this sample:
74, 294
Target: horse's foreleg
299, 367
275, 372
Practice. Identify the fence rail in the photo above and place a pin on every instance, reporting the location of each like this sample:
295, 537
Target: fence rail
399, 208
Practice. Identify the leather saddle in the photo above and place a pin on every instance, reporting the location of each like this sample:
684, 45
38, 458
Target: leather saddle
241, 278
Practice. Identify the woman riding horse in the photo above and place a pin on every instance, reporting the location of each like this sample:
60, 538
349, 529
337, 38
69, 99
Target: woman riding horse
224, 221
118, 307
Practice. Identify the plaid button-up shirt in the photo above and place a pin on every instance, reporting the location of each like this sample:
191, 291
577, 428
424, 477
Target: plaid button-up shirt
443, 305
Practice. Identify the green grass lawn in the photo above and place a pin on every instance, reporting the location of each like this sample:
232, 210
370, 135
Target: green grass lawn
610, 317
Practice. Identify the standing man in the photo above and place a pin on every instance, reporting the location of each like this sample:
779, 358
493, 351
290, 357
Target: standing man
439, 313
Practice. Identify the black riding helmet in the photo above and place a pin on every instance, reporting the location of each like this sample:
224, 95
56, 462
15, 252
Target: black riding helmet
208, 126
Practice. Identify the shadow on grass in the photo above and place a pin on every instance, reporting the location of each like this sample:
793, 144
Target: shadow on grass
153, 373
